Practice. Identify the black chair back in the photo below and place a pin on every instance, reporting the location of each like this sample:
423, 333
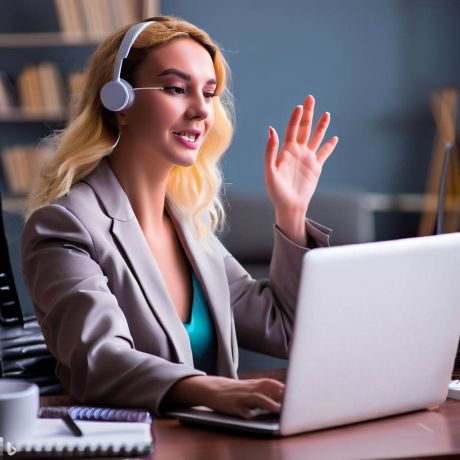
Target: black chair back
23, 352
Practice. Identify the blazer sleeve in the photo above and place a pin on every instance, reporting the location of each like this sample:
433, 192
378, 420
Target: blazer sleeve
82, 323
264, 310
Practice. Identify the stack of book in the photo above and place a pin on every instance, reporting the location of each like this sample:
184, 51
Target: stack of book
97, 19
39, 93
41, 89
20, 165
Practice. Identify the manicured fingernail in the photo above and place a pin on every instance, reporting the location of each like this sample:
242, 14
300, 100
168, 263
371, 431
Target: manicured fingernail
336, 138
327, 113
270, 132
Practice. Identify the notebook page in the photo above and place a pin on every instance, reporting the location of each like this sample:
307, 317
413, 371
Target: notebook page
54, 435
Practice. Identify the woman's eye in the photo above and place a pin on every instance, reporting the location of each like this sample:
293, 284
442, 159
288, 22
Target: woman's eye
177, 90
209, 94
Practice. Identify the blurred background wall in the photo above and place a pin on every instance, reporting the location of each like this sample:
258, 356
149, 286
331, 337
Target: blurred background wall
372, 64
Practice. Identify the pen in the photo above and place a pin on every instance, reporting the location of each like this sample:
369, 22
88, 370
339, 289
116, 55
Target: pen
73, 427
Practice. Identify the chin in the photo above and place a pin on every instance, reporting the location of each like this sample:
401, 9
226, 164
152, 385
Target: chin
186, 160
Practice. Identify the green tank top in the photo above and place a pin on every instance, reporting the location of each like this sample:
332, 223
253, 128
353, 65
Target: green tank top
200, 329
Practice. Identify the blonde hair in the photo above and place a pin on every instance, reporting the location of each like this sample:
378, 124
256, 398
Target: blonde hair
93, 131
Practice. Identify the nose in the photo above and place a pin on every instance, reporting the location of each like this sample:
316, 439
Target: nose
198, 107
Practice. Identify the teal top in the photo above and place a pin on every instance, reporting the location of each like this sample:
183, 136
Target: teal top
200, 329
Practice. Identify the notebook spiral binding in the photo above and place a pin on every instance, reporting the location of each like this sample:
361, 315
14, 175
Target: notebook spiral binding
97, 413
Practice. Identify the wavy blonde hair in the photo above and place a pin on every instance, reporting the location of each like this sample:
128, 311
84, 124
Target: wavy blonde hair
92, 132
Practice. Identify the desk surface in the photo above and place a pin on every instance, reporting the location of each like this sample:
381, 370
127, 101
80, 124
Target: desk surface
427, 434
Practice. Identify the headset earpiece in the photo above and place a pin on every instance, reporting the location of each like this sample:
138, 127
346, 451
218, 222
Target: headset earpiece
118, 94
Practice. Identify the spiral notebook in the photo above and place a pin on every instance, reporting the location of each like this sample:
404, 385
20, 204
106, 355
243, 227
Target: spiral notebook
107, 414
52, 438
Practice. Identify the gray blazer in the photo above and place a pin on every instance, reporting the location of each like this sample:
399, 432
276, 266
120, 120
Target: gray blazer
104, 309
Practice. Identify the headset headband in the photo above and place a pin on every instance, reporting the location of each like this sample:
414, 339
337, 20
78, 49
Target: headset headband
126, 44
118, 94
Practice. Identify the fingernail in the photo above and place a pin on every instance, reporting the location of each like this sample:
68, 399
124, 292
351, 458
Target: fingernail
336, 138
327, 113
270, 132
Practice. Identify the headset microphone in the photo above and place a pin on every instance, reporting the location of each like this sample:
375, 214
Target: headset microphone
118, 94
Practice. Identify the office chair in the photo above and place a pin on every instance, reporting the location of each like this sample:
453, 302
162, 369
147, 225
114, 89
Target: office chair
249, 231
23, 352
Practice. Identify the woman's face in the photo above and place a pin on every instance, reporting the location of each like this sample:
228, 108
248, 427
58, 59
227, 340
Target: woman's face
171, 124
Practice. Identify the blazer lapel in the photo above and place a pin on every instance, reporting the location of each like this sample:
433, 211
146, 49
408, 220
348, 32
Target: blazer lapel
210, 270
127, 231
131, 238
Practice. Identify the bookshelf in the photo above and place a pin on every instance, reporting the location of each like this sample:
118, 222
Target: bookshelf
19, 116
43, 39
33, 105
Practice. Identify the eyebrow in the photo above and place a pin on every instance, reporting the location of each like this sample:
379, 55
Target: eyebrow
184, 76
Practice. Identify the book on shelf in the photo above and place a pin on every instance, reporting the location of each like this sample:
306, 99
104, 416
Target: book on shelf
92, 17
27, 89
51, 87
122, 13
99, 18
21, 165
150, 8
41, 90
69, 17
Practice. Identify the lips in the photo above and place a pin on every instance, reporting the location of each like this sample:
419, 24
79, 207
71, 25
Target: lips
189, 138
189, 135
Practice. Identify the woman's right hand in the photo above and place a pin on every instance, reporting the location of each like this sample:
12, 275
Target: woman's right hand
230, 396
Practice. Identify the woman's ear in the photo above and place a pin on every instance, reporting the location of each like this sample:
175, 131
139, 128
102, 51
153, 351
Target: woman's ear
121, 118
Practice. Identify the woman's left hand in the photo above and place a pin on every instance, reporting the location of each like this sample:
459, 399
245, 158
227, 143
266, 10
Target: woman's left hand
292, 176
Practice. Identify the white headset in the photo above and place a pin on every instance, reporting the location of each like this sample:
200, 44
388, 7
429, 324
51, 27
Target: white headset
118, 94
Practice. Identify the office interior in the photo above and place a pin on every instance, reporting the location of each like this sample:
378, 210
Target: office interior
378, 67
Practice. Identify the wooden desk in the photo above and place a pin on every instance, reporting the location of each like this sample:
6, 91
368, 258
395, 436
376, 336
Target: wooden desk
427, 434
423, 434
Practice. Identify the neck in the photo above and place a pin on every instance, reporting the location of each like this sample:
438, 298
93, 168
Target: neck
145, 185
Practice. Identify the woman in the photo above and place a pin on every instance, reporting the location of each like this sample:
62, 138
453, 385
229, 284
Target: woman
137, 298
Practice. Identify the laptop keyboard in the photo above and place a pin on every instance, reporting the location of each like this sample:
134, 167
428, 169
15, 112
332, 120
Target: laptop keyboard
454, 389
264, 415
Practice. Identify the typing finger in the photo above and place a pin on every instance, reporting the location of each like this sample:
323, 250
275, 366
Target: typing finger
272, 388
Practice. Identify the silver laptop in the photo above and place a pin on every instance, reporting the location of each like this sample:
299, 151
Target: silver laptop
376, 334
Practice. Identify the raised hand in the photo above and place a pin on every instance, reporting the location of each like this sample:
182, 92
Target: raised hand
292, 175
